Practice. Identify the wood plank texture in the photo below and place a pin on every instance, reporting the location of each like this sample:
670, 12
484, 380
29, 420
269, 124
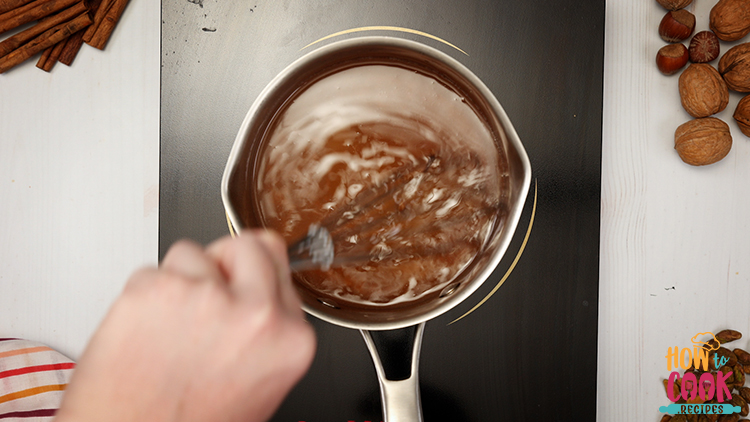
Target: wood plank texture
674, 241
78, 183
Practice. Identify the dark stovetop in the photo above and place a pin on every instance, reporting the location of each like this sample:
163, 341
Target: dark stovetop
530, 351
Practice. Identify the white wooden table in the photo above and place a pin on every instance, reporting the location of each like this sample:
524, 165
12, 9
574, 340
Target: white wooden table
79, 156
675, 239
79, 183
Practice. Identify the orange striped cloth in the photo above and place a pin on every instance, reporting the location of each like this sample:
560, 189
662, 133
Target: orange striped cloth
32, 380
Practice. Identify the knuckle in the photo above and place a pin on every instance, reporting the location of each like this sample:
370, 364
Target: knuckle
212, 297
184, 244
140, 280
268, 316
274, 239
157, 285
259, 318
180, 249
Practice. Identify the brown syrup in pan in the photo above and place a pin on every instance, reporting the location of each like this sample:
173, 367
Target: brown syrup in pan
374, 127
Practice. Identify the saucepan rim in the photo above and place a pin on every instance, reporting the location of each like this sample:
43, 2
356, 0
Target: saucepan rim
513, 146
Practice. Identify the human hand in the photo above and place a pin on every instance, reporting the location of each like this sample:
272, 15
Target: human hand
212, 335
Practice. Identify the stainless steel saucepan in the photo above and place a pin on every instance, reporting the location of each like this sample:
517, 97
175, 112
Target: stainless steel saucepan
400, 394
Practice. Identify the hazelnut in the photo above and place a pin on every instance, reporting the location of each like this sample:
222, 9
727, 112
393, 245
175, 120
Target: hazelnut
742, 115
734, 67
704, 47
704, 141
702, 90
677, 25
671, 58
674, 4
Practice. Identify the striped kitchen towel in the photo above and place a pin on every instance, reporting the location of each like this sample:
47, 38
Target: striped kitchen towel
32, 380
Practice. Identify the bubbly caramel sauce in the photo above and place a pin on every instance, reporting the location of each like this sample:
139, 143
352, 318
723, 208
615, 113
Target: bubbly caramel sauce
402, 171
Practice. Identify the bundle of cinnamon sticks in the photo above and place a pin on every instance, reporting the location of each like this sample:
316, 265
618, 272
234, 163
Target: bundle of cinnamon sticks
60, 29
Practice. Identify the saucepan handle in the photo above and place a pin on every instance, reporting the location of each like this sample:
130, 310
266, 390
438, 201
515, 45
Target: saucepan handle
399, 390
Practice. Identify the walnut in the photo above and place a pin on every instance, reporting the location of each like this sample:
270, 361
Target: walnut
742, 115
730, 19
702, 90
703, 141
734, 67
674, 4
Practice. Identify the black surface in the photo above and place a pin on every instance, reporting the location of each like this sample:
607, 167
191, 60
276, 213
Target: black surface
527, 354
395, 351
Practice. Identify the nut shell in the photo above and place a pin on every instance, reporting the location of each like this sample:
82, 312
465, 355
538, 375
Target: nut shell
674, 4
671, 58
734, 67
704, 141
728, 336
702, 90
742, 116
704, 47
677, 25
730, 19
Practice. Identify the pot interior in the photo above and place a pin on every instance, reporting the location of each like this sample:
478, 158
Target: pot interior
239, 187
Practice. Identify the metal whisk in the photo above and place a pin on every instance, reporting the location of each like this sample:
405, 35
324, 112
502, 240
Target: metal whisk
330, 242
314, 251
317, 248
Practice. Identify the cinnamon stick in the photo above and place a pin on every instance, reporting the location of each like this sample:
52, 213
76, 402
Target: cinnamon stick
7, 5
100, 12
74, 42
45, 55
104, 30
31, 12
45, 40
17, 40
70, 50
50, 59
21, 9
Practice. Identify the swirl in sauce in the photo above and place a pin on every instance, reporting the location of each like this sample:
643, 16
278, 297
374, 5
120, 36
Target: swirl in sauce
358, 129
